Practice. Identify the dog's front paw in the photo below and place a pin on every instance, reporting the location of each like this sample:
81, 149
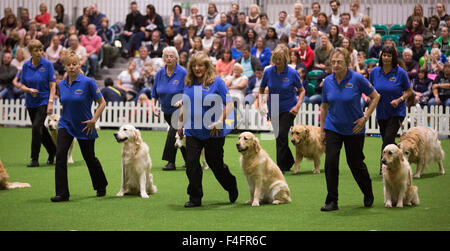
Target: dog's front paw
316, 171
144, 195
388, 204
255, 203
120, 194
400, 204
417, 176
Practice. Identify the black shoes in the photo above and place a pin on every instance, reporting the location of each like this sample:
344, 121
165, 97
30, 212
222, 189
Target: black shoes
233, 195
169, 167
192, 204
101, 192
33, 163
51, 160
59, 198
332, 206
368, 201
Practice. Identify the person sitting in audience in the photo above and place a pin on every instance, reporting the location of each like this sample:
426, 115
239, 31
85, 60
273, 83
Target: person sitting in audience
375, 49
249, 63
228, 41
334, 36
237, 85
241, 26
263, 26
369, 29
293, 38
412, 66
415, 26
96, 16
111, 93
175, 19
52, 52
322, 53
220, 29
142, 59
250, 37
253, 87
261, 52
306, 54
45, 36
236, 50
198, 46
93, 44
272, 38
347, 44
421, 87
212, 18
441, 12
224, 66
444, 41
282, 27
200, 27
232, 15
192, 18
155, 46
208, 39
214, 51
110, 52
292, 18
361, 41
133, 23
253, 17
345, 28
355, 15
75, 47
312, 19
322, 23
441, 88
44, 17
313, 38
169, 35
127, 81
296, 62
434, 65
180, 45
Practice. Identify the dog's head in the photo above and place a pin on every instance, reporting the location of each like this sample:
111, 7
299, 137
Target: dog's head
391, 154
248, 143
128, 133
52, 122
299, 134
410, 150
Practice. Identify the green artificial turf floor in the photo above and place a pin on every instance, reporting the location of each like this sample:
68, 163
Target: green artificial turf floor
31, 209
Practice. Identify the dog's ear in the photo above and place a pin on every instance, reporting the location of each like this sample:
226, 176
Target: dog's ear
137, 136
290, 130
256, 145
46, 121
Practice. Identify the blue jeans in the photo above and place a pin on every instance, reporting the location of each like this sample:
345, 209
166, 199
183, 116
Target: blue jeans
432, 102
93, 62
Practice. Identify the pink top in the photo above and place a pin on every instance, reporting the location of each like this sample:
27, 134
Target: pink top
224, 68
43, 19
91, 43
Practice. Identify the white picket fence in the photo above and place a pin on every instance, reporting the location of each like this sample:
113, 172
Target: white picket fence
14, 113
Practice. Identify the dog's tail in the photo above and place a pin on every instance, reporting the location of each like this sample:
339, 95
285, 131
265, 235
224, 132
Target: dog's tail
13, 185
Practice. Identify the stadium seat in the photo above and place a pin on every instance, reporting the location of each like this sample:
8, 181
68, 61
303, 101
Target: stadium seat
395, 38
371, 60
312, 79
381, 29
396, 29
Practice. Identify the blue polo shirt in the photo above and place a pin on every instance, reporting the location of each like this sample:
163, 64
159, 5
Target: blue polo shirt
286, 85
39, 78
201, 104
343, 100
76, 100
165, 87
221, 27
390, 86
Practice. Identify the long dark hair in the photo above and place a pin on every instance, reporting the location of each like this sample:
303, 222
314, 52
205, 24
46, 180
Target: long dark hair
390, 50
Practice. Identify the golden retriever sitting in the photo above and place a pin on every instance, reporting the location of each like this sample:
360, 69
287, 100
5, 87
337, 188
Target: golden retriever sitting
397, 178
421, 145
52, 125
4, 184
308, 143
136, 163
266, 182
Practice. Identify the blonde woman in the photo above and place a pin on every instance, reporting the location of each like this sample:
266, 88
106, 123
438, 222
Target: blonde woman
370, 30
286, 95
204, 127
253, 17
322, 53
237, 86
77, 93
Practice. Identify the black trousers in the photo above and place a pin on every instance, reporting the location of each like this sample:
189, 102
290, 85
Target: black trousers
214, 158
170, 151
354, 145
281, 127
39, 134
87, 150
388, 131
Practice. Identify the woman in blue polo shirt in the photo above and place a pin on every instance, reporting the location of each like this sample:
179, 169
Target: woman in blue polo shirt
343, 122
392, 82
168, 88
76, 93
206, 106
286, 95
38, 82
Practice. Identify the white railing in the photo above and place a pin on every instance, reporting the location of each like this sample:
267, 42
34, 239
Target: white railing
14, 113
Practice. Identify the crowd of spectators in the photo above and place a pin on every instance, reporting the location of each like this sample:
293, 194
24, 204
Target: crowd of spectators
239, 44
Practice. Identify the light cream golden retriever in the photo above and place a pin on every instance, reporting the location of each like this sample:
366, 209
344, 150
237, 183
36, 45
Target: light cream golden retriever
267, 183
136, 163
421, 145
51, 123
308, 143
397, 178
4, 177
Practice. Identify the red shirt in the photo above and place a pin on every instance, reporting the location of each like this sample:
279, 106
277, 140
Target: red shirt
43, 19
307, 57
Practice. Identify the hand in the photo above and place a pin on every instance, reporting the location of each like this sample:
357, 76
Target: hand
215, 128
322, 135
90, 126
155, 111
359, 124
180, 132
294, 110
395, 102
438, 100
178, 104
33, 92
50, 108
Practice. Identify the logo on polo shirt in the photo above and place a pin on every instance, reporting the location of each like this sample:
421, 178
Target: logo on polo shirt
175, 82
286, 79
349, 85
42, 69
393, 79
78, 92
